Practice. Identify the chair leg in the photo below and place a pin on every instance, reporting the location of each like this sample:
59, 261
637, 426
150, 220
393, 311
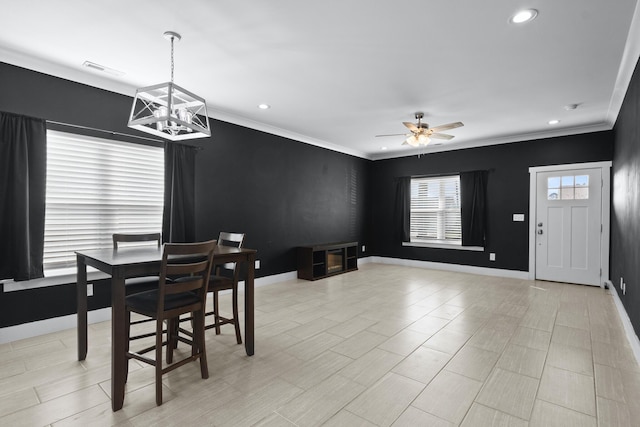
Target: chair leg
159, 362
236, 323
199, 343
171, 340
215, 312
127, 327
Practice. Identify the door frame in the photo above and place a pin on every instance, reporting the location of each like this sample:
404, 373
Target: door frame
605, 168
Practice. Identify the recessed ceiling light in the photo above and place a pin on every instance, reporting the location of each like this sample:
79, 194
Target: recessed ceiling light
264, 106
524, 16
554, 122
383, 148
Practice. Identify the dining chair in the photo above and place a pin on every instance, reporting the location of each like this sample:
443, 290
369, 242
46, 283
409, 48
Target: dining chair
137, 284
225, 278
189, 264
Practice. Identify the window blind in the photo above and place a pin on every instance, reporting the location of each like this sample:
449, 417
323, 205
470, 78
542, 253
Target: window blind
96, 187
435, 209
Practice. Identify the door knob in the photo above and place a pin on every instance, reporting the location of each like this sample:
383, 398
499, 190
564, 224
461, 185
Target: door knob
539, 231
539, 224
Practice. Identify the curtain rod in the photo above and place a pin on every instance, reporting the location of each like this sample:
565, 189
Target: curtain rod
105, 131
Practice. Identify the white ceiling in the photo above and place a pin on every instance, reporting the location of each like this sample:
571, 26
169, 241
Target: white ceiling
339, 72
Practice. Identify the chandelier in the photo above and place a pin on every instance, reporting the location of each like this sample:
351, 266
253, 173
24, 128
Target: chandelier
169, 111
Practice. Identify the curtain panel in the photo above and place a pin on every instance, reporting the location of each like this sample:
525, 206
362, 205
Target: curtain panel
179, 216
402, 214
473, 189
23, 171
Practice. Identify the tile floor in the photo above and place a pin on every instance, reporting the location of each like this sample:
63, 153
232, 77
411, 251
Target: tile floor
383, 346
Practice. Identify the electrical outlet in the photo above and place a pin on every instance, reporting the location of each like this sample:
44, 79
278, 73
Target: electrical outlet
90, 290
492, 256
257, 264
364, 248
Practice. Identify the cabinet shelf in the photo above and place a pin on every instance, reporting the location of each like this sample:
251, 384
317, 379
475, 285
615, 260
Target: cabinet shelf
319, 261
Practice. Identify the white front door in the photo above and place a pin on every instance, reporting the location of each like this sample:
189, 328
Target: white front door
568, 226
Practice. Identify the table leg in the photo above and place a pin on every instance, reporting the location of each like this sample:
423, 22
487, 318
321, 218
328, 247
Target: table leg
118, 341
81, 297
249, 306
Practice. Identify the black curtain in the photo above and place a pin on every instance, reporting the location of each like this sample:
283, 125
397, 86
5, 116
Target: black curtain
23, 171
402, 215
179, 216
473, 189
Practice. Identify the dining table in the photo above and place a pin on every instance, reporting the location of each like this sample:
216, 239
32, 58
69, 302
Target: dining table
131, 262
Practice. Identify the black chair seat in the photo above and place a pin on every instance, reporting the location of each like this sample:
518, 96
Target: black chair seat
147, 302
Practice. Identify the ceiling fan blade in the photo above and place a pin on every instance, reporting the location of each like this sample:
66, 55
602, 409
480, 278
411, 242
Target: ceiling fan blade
412, 127
441, 136
447, 126
395, 134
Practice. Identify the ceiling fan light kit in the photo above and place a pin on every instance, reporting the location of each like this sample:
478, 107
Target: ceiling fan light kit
421, 134
169, 111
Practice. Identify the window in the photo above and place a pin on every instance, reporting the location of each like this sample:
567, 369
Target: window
435, 210
568, 187
96, 187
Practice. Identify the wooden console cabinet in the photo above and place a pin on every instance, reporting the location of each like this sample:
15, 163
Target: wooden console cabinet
319, 261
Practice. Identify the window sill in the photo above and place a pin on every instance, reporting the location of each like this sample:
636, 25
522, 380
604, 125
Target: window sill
436, 245
61, 279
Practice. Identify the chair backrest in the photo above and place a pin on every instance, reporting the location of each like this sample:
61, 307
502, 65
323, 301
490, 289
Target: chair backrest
235, 240
135, 237
188, 265
231, 239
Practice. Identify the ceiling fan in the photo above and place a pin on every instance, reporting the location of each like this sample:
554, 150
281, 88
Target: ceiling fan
421, 133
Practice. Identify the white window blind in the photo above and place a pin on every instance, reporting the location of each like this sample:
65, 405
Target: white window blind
96, 187
435, 210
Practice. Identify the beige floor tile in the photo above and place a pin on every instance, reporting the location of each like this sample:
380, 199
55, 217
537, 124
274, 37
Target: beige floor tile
546, 414
570, 358
310, 348
573, 320
568, 389
465, 324
345, 418
480, 415
490, 339
522, 360
509, 392
372, 366
311, 328
351, 327
413, 417
57, 409
532, 338
316, 370
448, 396
321, 402
473, 362
447, 311
388, 326
613, 414
447, 341
609, 383
573, 337
423, 364
21, 399
359, 344
274, 420
404, 342
386, 400
12, 368
542, 319
428, 325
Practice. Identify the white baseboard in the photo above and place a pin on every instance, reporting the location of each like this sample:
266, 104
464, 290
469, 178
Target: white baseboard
56, 324
482, 271
634, 342
47, 326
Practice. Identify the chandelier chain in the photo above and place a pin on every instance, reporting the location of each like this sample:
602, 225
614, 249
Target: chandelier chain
172, 59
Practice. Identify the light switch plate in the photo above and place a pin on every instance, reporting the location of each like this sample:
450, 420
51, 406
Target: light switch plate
518, 217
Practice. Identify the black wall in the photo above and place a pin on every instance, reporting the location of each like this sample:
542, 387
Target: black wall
280, 192
625, 215
507, 193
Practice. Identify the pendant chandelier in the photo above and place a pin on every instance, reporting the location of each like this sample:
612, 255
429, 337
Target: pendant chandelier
169, 111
